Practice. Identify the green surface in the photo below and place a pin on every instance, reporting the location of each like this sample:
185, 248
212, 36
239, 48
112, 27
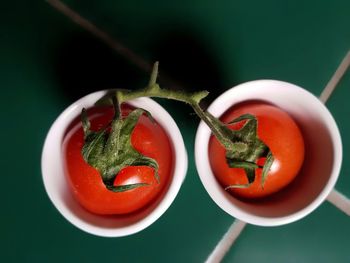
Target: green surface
46, 62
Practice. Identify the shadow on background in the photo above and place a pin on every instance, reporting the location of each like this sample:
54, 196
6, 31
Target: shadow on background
84, 64
186, 60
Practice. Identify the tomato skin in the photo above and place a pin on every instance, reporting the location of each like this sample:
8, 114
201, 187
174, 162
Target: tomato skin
86, 184
280, 133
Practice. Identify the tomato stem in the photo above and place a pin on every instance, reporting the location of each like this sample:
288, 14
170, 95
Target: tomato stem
193, 99
153, 90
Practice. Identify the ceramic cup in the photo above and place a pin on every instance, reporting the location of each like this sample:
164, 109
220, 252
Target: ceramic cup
59, 192
321, 167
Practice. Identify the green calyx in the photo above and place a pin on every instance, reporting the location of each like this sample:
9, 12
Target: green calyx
243, 147
246, 148
109, 152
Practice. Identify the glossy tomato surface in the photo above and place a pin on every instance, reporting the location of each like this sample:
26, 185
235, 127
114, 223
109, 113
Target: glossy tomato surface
280, 133
86, 184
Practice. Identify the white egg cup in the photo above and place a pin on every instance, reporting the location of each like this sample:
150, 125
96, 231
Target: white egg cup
108, 226
321, 167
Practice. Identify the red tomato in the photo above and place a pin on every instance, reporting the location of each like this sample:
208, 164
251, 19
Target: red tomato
87, 186
280, 133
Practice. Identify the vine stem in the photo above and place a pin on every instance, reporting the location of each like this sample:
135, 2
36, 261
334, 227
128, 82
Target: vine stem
193, 99
154, 91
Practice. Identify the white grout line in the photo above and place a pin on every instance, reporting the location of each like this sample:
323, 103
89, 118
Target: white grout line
338, 74
113, 43
100, 34
226, 242
340, 201
336, 198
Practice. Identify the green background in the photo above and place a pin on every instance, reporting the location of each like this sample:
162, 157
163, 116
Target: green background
47, 62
